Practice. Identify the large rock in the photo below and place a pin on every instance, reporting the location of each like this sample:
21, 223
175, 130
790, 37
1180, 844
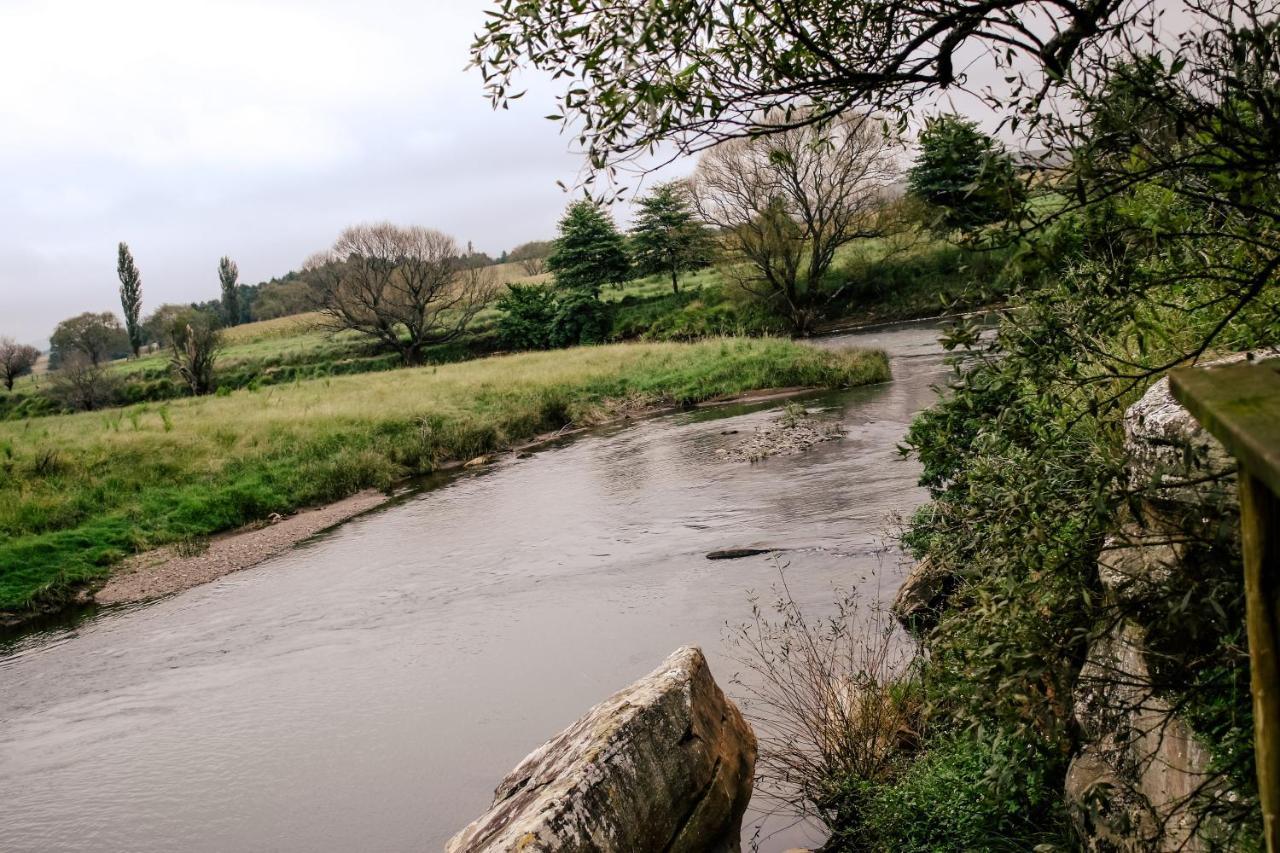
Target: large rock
1134, 785
921, 595
664, 765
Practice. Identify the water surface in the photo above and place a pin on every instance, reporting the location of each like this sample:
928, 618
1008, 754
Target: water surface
368, 690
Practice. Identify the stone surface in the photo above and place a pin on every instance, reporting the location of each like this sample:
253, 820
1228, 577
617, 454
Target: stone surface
921, 594
1134, 783
666, 764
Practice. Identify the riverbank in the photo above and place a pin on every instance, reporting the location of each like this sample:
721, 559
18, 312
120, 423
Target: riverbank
85, 492
165, 571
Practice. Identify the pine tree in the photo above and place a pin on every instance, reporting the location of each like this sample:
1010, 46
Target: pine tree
667, 237
590, 251
964, 175
229, 274
130, 296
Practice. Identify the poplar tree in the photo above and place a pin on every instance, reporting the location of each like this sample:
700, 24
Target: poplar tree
229, 275
130, 296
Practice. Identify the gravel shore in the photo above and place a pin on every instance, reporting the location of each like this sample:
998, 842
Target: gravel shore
165, 571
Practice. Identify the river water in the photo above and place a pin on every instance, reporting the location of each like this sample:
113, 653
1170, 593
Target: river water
367, 690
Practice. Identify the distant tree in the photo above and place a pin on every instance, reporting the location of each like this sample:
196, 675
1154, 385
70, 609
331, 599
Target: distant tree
965, 177
667, 236
532, 256
130, 296
287, 296
228, 277
81, 384
194, 344
98, 337
16, 360
786, 202
156, 326
590, 252
402, 287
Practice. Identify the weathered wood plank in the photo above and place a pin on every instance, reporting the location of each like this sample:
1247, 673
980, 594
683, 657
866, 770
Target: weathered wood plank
1239, 404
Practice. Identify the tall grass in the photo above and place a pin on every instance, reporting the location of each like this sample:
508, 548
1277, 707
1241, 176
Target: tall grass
79, 492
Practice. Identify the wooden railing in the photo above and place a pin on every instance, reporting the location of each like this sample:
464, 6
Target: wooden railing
1239, 404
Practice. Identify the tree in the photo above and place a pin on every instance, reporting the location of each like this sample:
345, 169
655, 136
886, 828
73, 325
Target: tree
81, 384
695, 73
16, 360
98, 337
401, 287
590, 252
532, 256
130, 296
528, 312
786, 202
228, 277
964, 175
194, 343
667, 237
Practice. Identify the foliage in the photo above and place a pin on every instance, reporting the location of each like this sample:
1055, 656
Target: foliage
590, 252
98, 337
194, 342
79, 492
941, 802
965, 176
786, 203
528, 312
692, 73
130, 295
666, 237
580, 318
228, 279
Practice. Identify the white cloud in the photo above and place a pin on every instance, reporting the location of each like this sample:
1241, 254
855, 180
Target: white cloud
194, 129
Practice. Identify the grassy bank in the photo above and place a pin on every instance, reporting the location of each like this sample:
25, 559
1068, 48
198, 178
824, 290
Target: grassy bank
80, 492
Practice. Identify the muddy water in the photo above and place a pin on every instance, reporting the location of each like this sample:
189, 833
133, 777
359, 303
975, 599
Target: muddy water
367, 690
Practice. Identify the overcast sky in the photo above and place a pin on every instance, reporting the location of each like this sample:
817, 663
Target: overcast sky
257, 130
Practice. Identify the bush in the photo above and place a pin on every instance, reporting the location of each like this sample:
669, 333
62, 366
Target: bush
941, 803
580, 318
528, 312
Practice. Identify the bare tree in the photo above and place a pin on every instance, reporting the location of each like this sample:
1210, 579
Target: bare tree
82, 384
534, 266
786, 202
16, 360
403, 287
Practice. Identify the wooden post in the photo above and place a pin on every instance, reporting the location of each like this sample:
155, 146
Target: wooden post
1260, 528
1239, 404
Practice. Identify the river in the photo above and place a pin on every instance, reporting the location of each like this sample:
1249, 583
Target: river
367, 690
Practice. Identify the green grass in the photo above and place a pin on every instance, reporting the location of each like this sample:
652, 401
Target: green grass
80, 492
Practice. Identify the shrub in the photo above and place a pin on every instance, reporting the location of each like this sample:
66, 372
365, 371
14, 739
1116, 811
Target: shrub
580, 318
941, 802
528, 312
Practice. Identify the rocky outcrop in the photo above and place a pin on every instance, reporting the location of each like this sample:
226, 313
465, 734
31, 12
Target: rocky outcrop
664, 765
921, 595
1142, 775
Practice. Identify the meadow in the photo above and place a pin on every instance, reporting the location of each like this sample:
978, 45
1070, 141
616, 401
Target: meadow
80, 492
